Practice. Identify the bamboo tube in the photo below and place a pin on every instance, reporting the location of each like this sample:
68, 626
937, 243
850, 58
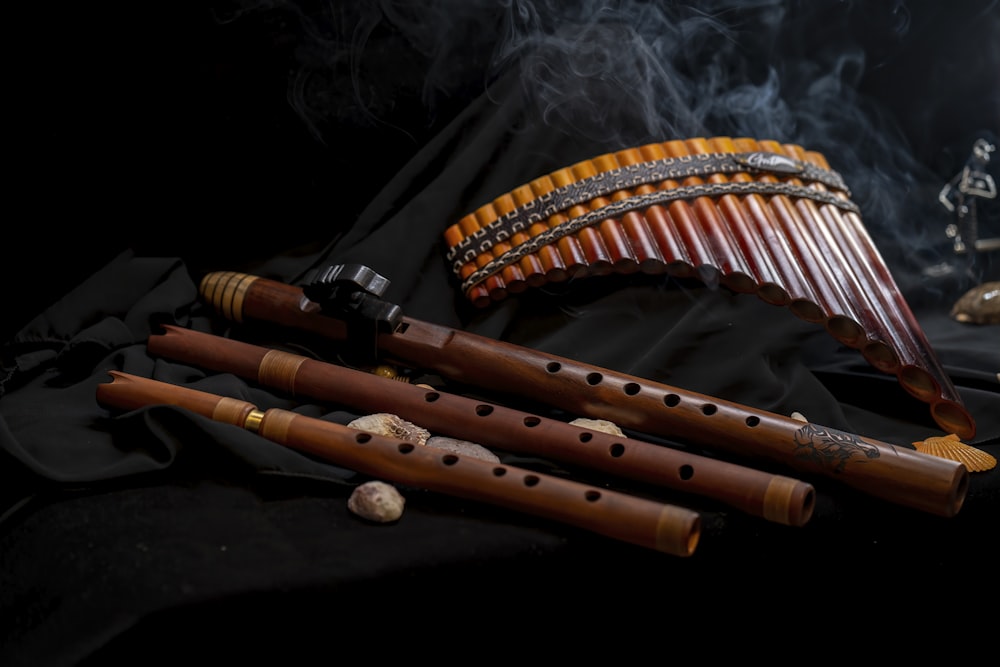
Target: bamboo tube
620, 252
770, 282
666, 528
570, 251
599, 259
546, 265
645, 255
864, 311
843, 317
731, 264
512, 276
637, 228
919, 373
478, 295
495, 286
703, 228
803, 300
675, 253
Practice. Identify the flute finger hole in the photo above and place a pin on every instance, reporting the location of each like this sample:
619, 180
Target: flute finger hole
752, 421
632, 388
499, 472
405, 447
586, 437
616, 450
531, 480
431, 396
686, 472
532, 421
594, 378
592, 496
449, 459
553, 367
484, 410
362, 438
709, 409
671, 400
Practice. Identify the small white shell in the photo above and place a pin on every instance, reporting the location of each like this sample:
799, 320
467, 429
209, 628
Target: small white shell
463, 447
377, 501
602, 425
394, 426
798, 416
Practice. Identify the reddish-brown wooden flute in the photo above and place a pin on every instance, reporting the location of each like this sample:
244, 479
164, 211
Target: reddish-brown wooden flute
646, 523
773, 497
895, 474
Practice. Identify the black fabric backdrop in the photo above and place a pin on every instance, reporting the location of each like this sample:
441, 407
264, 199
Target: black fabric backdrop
248, 140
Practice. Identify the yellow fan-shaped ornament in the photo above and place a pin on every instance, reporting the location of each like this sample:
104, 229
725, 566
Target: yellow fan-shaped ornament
951, 447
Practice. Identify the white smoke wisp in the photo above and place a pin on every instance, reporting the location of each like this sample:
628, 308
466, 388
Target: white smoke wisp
620, 73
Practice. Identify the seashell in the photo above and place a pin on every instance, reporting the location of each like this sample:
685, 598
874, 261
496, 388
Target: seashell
980, 305
394, 426
602, 425
951, 447
377, 501
798, 416
463, 447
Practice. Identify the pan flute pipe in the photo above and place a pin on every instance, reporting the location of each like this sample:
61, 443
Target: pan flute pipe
666, 528
758, 217
772, 497
895, 474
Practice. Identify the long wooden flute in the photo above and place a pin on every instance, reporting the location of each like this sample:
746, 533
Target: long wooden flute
666, 528
892, 473
773, 497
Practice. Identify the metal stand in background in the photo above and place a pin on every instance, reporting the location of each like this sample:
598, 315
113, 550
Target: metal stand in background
981, 303
959, 196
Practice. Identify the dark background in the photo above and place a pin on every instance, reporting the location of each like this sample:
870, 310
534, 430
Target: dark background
182, 129
227, 133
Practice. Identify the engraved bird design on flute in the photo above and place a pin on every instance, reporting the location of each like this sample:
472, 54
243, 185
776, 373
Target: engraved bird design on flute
831, 448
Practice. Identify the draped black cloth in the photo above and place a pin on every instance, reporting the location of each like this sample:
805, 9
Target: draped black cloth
155, 534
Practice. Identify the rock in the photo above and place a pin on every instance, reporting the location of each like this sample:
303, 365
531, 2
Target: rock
377, 501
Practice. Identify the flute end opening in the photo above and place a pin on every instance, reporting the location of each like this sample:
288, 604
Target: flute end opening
789, 501
961, 489
954, 418
678, 531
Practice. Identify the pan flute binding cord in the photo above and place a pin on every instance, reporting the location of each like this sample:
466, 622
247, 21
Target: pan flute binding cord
756, 216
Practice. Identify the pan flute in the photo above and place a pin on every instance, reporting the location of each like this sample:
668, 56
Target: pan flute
758, 217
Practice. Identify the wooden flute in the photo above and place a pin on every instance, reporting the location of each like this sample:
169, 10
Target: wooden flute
662, 527
891, 473
773, 497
